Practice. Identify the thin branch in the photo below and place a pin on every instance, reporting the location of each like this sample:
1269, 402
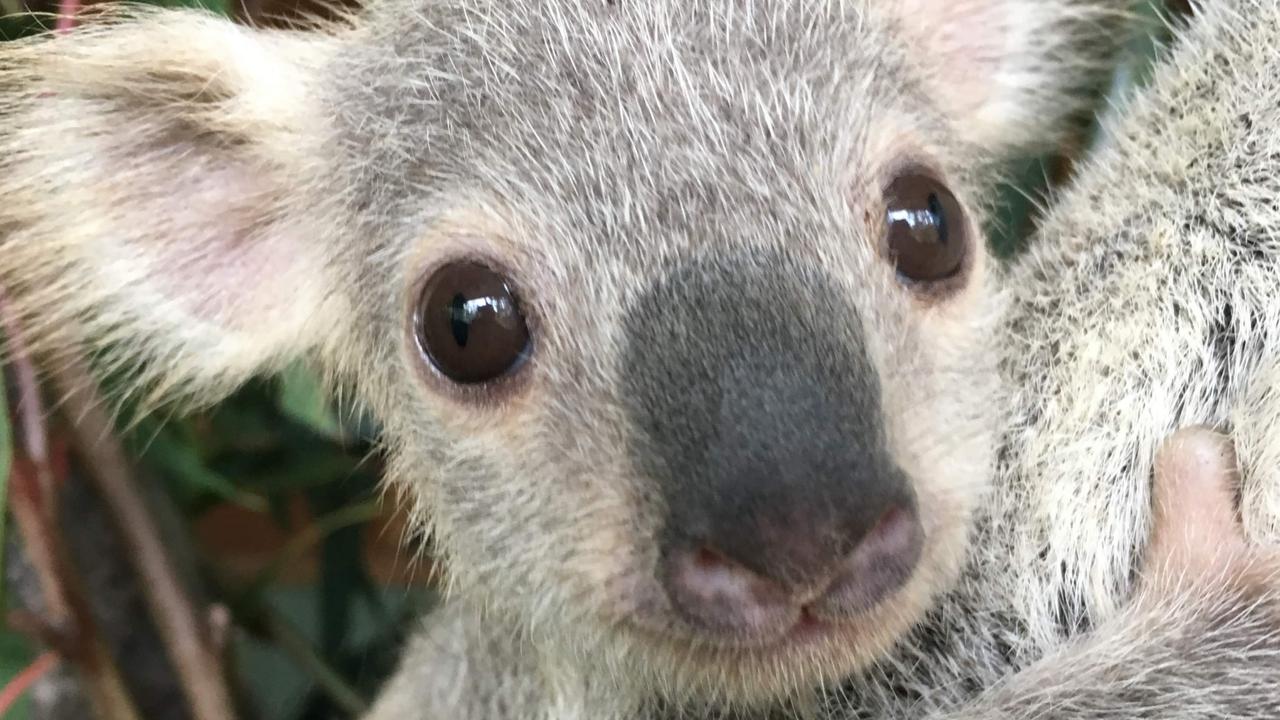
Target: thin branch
311, 535
33, 504
41, 630
11, 693
259, 618
188, 638
30, 412
292, 642
182, 626
44, 550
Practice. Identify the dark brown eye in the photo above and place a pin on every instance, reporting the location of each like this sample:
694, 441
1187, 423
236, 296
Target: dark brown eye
469, 324
927, 232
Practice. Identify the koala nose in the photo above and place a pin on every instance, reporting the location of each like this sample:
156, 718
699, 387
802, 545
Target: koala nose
757, 412
795, 507
720, 592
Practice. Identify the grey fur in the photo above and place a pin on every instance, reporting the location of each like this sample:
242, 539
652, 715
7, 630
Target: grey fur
1149, 302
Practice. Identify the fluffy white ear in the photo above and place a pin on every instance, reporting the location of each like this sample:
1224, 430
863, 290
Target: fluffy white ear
161, 194
1011, 70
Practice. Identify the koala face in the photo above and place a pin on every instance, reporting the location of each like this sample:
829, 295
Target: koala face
677, 314
691, 352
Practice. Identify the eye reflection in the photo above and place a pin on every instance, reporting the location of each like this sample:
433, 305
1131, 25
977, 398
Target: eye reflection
925, 232
921, 221
470, 325
463, 313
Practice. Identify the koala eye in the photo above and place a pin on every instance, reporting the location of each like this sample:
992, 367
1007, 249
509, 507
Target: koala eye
469, 324
927, 232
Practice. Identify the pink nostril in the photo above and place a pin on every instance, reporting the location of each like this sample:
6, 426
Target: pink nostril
882, 562
715, 592
707, 559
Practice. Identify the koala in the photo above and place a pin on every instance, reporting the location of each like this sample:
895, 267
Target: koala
1197, 639
1148, 302
677, 315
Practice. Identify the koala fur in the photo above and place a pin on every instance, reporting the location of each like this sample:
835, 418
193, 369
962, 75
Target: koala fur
688, 196
1147, 303
1197, 639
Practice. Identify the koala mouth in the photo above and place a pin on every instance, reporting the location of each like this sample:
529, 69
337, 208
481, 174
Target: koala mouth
807, 629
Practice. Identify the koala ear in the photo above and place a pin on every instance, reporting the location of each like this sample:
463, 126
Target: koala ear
160, 196
1010, 71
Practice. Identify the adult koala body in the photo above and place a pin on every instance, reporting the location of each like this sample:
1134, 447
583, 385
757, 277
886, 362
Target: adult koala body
676, 313
1148, 302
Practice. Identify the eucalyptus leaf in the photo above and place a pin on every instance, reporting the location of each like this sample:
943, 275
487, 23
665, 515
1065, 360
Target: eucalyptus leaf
302, 398
190, 476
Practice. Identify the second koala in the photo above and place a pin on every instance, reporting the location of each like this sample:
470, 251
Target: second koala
1150, 301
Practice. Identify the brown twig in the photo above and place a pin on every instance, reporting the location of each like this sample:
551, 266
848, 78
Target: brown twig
292, 643
41, 630
33, 504
189, 639
30, 413
184, 629
13, 691
45, 551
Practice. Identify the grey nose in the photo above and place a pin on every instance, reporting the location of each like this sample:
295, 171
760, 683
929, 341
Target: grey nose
794, 506
757, 414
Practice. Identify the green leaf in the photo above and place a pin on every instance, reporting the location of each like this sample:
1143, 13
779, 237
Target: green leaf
15, 656
176, 458
302, 398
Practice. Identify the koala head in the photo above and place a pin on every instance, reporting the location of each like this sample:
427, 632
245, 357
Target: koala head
678, 315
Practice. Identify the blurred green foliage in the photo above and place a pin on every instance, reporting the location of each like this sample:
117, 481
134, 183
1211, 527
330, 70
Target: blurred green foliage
15, 655
1030, 180
315, 652
308, 652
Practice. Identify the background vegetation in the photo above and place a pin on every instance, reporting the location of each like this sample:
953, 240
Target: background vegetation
270, 506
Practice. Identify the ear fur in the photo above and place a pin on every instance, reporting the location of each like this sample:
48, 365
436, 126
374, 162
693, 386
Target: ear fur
161, 195
1010, 71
